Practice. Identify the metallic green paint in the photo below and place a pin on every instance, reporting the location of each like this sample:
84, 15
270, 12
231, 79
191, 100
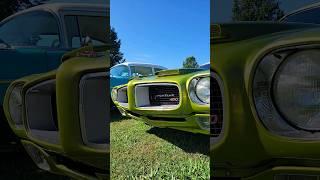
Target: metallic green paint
247, 149
186, 109
71, 144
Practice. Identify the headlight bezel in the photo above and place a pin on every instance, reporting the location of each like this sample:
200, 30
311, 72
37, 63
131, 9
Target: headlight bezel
192, 90
114, 94
14, 122
263, 97
124, 101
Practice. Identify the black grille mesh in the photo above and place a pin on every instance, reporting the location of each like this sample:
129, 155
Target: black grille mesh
216, 108
163, 95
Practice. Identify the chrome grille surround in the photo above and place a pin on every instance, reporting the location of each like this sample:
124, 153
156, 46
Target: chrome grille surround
148, 96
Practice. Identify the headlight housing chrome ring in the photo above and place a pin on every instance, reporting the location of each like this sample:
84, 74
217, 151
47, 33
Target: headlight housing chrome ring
199, 90
15, 105
286, 92
114, 94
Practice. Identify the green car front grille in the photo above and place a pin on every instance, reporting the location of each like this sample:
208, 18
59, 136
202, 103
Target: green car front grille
216, 108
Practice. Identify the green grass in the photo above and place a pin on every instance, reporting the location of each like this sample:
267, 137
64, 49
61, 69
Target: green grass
139, 151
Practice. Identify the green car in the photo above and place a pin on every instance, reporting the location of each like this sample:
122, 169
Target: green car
265, 94
178, 99
61, 117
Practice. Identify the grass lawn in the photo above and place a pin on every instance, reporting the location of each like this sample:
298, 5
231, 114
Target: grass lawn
139, 151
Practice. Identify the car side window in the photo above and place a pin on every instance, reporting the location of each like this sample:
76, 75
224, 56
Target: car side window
141, 71
35, 29
307, 16
120, 71
79, 27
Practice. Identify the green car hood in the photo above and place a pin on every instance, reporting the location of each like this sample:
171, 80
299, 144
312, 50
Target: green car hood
169, 73
173, 72
229, 32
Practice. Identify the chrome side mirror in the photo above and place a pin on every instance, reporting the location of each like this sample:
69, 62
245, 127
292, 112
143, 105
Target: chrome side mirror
4, 45
87, 41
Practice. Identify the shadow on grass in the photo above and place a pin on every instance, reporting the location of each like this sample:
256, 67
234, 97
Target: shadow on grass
116, 116
189, 142
19, 165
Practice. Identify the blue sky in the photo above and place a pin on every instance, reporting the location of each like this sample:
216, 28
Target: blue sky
222, 9
162, 32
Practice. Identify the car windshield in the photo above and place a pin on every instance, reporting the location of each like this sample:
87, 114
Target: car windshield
205, 66
311, 16
141, 71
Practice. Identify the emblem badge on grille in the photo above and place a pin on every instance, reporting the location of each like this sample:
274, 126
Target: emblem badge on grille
164, 95
174, 99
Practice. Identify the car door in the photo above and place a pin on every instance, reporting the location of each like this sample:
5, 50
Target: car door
24, 43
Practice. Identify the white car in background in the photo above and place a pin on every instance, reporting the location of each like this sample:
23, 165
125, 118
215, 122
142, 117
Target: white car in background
124, 72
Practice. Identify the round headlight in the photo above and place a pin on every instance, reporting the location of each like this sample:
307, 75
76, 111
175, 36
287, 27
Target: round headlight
114, 94
296, 90
15, 105
203, 90
199, 90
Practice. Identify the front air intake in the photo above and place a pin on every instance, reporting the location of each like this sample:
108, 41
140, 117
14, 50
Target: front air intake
122, 96
157, 96
216, 107
41, 112
94, 109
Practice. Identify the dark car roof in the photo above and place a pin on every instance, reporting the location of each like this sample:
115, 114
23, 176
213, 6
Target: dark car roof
57, 7
305, 8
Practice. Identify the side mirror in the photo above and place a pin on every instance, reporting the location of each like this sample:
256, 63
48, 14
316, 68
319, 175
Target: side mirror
87, 41
136, 75
4, 45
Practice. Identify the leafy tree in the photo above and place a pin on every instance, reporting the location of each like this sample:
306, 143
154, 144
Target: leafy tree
116, 56
256, 10
190, 62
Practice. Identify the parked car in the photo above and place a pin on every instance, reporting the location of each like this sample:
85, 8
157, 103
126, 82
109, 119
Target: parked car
61, 117
34, 40
205, 66
265, 97
124, 72
178, 99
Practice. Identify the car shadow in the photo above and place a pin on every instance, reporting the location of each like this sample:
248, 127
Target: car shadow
116, 116
189, 142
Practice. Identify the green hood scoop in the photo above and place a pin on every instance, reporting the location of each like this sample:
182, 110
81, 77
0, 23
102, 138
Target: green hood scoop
173, 72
